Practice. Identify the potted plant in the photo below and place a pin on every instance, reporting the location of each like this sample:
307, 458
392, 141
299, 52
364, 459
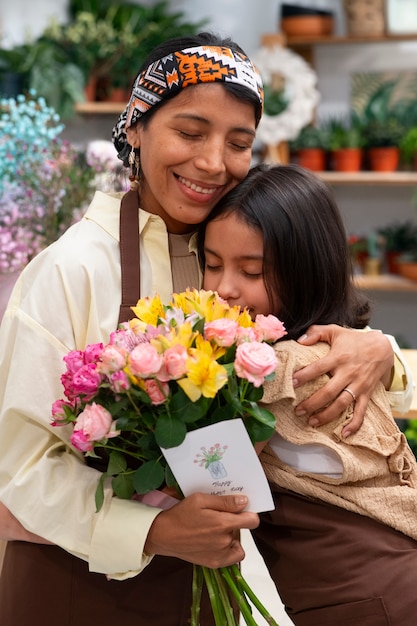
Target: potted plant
345, 142
309, 148
400, 238
408, 147
383, 128
14, 67
102, 40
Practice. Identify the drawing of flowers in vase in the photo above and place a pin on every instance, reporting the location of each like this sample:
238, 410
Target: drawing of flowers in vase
211, 460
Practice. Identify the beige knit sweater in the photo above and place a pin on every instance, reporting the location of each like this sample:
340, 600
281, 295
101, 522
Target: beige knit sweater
379, 478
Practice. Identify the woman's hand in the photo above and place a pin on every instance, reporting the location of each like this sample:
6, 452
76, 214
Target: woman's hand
202, 529
356, 361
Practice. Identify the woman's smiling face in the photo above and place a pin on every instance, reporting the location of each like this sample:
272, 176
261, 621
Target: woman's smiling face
193, 150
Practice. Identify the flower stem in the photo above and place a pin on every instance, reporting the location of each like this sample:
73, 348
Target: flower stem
234, 571
224, 598
228, 575
216, 605
197, 587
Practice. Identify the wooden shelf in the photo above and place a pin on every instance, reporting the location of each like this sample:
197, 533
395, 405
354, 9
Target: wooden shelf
370, 178
385, 282
294, 42
100, 108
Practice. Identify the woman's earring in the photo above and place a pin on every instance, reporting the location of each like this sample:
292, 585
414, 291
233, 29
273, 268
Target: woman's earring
134, 162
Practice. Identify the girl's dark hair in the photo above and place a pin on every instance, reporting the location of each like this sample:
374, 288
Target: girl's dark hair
306, 255
201, 39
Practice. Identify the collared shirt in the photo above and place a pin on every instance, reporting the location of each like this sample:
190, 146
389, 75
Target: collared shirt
67, 297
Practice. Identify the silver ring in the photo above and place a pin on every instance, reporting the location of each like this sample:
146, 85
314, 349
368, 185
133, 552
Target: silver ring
351, 393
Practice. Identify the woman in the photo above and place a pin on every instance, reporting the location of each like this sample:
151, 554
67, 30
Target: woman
341, 544
186, 134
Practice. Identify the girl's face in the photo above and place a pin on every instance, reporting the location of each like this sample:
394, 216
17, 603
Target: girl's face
193, 150
234, 264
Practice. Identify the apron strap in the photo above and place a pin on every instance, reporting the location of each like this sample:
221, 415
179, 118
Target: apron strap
129, 254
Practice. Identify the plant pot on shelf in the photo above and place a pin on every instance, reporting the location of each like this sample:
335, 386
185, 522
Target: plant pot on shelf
346, 159
90, 89
384, 159
313, 159
408, 269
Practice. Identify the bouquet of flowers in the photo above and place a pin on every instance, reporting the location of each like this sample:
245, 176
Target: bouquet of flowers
174, 368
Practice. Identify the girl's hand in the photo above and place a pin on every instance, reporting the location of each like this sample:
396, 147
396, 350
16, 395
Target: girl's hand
356, 361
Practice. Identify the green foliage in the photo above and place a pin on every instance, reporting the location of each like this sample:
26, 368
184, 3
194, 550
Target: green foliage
275, 100
105, 38
400, 236
384, 120
408, 145
344, 132
310, 137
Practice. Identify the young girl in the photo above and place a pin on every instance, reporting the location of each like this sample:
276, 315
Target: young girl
341, 545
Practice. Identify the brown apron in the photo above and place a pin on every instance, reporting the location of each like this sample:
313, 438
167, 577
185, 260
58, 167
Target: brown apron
333, 567
43, 585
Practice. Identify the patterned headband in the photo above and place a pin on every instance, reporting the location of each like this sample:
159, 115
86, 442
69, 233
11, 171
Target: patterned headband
171, 74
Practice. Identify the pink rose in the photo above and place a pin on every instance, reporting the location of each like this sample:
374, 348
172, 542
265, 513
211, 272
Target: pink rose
74, 360
58, 412
144, 361
254, 361
112, 358
269, 328
222, 331
87, 381
175, 363
246, 333
92, 352
96, 423
119, 382
80, 441
157, 391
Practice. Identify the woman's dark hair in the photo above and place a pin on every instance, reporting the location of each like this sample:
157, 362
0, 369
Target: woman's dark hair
306, 255
201, 39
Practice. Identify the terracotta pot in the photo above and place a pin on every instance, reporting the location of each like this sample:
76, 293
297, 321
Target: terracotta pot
408, 270
307, 25
347, 160
384, 159
392, 261
312, 159
90, 90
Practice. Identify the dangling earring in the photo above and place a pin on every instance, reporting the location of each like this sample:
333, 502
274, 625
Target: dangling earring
134, 162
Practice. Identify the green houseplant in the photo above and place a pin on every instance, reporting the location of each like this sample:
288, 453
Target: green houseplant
309, 148
345, 142
408, 147
400, 239
384, 125
105, 41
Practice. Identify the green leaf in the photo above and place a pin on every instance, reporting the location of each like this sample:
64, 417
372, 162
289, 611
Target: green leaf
258, 431
117, 463
148, 477
123, 486
183, 409
226, 412
99, 497
254, 394
261, 415
169, 432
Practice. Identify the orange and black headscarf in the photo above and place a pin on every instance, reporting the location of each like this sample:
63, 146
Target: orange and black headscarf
172, 73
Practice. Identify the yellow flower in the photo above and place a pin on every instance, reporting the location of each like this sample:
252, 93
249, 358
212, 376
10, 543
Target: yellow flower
205, 376
211, 349
182, 334
149, 310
